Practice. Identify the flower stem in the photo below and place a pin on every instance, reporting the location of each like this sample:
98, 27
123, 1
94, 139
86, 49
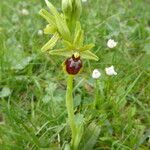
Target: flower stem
70, 110
96, 94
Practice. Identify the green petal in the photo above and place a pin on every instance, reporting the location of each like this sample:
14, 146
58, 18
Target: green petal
51, 43
89, 55
61, 52
60, 22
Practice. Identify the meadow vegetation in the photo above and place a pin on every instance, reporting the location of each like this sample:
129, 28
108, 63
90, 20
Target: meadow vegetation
33, 113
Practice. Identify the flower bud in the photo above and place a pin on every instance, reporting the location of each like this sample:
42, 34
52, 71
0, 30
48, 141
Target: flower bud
77, 9
67, 7
72, 9
73, 65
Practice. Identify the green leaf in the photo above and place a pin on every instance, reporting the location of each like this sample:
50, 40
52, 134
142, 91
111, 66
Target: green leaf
61, 52
45, 14
90, 137
77, 100
50, 29
51, 43
5, 92
79, 120
67, 147
87, 47
89, 55
46, 99
23, 62
121, 102
60, 22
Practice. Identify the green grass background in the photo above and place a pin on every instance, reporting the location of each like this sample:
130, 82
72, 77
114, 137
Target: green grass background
32, 84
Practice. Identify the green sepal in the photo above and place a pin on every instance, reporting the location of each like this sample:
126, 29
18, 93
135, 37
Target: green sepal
67, 45
60, 22
61, 52
51, 43
50, 29
78, 41
78, 27
89, 55
87, 47
67, 53
46, 15
78, 36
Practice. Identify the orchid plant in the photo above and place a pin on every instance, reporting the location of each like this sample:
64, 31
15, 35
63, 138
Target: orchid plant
65, 28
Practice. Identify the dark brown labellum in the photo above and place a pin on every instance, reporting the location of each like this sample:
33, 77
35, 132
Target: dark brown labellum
73, 65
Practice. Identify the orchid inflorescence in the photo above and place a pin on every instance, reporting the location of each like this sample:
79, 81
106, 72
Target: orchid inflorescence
72, 40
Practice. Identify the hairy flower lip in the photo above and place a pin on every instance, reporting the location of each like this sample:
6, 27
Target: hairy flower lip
73, 65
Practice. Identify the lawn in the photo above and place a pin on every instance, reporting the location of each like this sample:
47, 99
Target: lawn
33, 114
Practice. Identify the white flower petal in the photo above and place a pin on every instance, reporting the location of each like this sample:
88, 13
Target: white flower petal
25, 12
96, 74
40, 32
110, 71
111, 43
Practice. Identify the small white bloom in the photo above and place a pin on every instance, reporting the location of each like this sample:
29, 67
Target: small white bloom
96, 74
25, 12
110, 71
40, 32
84, 0
111, 43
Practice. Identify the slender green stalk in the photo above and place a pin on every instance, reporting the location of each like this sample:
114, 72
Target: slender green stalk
69, 105
96, 101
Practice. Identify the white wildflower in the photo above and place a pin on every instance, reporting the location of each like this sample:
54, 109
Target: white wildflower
110, 71
84, 0
96, 74
25, 12
111, 43
40, 32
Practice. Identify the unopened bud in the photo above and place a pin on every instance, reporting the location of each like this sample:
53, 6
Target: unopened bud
77, 9
67, 7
